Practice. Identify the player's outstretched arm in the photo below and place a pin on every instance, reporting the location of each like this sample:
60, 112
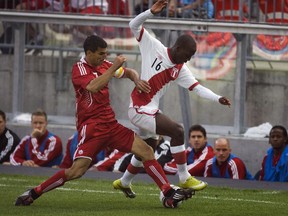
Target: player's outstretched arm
210, 95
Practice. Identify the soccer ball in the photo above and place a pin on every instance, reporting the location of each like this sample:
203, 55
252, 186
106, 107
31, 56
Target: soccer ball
163, 199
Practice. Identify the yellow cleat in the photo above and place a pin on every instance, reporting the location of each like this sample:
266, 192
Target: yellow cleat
193, 183
126, 190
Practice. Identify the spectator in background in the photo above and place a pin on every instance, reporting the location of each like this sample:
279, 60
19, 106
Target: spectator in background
117, 8
8, 140
198, 153
7, 36
202, 9
118, 161
108, 163
142, 6
90, 7
71, 147
224, 164
41, 148
275, 163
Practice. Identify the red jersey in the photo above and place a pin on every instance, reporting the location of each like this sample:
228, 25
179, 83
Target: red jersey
196, 161
108, 163
91, 107
233, 168
45, 151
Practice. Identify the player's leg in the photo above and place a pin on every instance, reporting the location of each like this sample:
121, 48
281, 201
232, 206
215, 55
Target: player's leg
165, 126
78, 168
147, 127
89, 146
155, 171
135, 166
126, 140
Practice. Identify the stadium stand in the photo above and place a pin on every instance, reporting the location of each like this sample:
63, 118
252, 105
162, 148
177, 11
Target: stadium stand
276, 13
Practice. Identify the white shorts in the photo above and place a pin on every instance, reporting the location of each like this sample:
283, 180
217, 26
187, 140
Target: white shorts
145, 122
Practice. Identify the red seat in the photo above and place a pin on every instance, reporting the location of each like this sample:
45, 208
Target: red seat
229, 10
273, 13
225, 10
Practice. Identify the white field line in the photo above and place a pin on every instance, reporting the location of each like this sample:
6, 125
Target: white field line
155, 194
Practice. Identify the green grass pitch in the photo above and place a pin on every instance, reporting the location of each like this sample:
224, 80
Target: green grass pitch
85, 197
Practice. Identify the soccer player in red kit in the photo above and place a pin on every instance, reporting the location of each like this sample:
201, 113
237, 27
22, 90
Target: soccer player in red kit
97, 127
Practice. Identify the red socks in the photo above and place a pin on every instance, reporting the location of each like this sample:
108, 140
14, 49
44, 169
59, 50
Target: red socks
54, 181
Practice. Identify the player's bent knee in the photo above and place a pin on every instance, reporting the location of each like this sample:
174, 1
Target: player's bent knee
143, 150
147, 153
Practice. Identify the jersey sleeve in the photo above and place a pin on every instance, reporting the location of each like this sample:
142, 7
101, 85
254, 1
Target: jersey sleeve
186, 78
81, 76
208, 168
136, 23
197, 168
52, 151
237, 169
18, 156
108, 163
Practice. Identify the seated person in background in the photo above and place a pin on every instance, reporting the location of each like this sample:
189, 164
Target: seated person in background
198, 153
8, 140
108, 163
41, 148
275, 163
70, 150
89, 7
202, 9
224, 164
118, 161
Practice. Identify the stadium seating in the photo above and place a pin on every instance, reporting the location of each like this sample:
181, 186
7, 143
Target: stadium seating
276, 13
217, 59
227, 10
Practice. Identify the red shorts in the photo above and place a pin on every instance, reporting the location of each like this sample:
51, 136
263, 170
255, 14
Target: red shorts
95, 137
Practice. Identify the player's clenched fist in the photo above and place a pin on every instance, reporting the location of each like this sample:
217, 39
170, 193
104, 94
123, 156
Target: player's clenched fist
119, 60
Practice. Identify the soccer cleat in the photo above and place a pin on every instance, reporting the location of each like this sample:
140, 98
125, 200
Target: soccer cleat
194, 184
176, 196
25, 199
126, 190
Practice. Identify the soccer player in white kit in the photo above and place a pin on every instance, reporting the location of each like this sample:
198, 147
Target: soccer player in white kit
161, 66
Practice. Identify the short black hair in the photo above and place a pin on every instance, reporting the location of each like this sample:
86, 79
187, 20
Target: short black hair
92, 43
2, 113
198, 127
280, 127
186, 40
